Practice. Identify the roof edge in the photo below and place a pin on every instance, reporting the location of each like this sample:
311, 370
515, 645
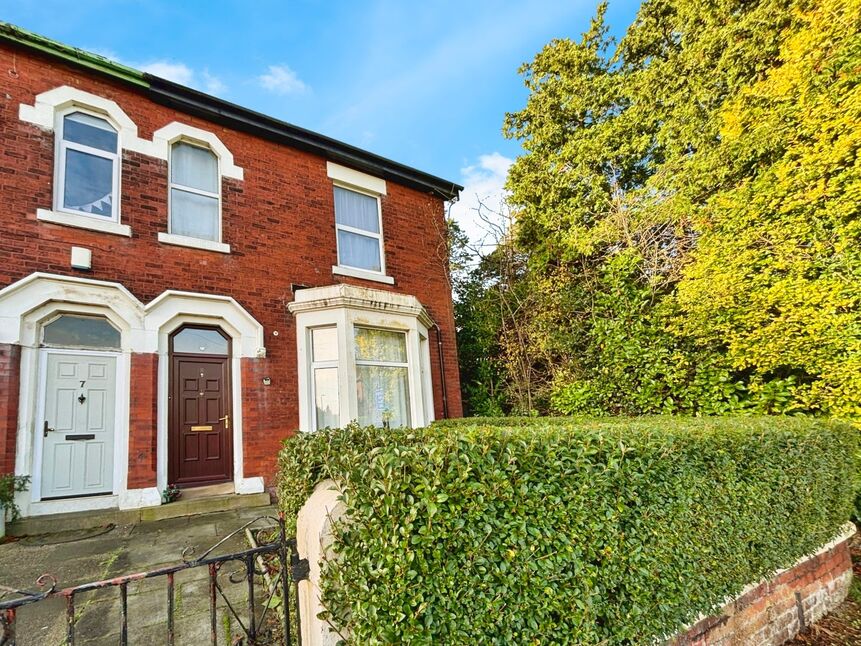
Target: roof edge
235, 116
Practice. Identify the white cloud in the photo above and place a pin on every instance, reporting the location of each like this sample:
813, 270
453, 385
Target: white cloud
483, 193
282, 80
213, 84
172, 71
176, 72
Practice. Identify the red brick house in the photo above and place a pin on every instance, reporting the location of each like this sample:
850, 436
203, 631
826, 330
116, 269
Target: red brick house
185, 282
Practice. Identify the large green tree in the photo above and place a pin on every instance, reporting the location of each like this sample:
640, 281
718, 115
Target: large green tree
687, 206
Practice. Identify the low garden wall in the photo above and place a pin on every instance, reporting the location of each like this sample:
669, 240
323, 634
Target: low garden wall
577, 531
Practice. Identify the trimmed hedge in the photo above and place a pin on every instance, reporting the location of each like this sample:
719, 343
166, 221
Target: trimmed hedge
563, 531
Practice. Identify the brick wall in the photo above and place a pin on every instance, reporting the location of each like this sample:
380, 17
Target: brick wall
279, 222
774, 611
10, 366
143, 411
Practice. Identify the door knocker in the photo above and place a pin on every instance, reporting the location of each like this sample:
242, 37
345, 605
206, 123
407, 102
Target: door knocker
81, 398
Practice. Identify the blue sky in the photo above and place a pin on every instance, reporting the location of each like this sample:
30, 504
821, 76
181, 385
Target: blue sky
424, 83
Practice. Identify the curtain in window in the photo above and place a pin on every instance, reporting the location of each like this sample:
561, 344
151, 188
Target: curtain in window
192, 215
194, 208
382, 391
383, 396
356, 210
194, 167
359, 251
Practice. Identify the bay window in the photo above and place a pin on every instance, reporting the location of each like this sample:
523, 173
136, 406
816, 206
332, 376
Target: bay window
363, 357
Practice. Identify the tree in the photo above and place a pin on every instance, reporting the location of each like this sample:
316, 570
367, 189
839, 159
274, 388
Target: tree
688, 205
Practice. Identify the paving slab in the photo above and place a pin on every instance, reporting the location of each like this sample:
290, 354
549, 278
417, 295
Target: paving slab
80, 556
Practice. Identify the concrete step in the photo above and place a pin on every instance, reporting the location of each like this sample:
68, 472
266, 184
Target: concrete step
99, 518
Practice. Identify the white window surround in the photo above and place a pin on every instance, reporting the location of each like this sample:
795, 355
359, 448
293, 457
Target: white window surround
346, 307
163, 138
175, 132
27, 304
356, 181
194, 243
350, 178
62, 146
47, 104
44, 113
83, 222
342, 270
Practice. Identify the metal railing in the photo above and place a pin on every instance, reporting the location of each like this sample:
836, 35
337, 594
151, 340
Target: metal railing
283, 569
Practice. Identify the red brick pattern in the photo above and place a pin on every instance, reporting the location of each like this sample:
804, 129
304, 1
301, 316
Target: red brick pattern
774, 611
10, 366
143, 407
279, 222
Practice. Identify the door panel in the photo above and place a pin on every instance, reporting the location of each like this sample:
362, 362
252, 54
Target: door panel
200, 440
80, 400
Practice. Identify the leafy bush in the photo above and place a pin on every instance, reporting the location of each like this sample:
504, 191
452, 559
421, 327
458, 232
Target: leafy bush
579, 531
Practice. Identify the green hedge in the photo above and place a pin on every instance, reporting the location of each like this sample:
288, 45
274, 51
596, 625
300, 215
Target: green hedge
566, 531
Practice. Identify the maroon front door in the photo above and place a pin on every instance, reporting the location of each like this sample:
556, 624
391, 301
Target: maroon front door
200, 444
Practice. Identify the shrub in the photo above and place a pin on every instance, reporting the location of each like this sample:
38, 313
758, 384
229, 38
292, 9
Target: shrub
578, 531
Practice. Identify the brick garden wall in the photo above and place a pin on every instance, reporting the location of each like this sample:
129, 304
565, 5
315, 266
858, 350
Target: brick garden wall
279, 222
776, 610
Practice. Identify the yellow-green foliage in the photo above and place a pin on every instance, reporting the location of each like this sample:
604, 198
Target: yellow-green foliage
776, 274
692, 198
565, 531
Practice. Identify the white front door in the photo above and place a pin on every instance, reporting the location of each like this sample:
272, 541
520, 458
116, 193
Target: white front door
78, 425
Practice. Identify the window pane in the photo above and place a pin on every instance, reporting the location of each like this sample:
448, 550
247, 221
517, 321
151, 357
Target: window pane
90, 131
324, 341
356, 210
194, 166
89, 183
82, 332
193, 215
358, 251
200, 341
380, 345
383, 396
326, 397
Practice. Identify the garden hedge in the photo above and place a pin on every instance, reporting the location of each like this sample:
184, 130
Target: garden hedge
565, 531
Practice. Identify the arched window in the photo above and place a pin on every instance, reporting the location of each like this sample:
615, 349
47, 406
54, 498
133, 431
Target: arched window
86, 332
88, 166
195, 192
200, 340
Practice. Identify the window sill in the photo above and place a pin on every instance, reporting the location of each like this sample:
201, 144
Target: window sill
194, 243
363, 274
83, 222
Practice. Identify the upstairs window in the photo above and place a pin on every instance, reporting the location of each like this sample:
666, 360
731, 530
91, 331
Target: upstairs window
88, 166
360, 239
195, 192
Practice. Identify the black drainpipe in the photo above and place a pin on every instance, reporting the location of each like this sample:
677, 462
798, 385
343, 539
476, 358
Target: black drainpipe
441, 371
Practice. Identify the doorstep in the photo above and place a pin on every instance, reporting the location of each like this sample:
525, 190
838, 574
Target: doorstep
192, 506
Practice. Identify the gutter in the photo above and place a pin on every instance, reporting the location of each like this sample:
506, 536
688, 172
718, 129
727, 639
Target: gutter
199, 104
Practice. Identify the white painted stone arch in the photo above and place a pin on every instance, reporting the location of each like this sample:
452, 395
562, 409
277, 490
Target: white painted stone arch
38, 298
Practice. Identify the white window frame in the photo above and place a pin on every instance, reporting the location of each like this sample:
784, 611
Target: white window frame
315, 365
348, 307
189, 189
60, 148
364, 184
361, 232
388, 364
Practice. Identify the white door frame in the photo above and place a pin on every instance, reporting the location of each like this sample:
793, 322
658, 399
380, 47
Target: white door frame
120, 457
